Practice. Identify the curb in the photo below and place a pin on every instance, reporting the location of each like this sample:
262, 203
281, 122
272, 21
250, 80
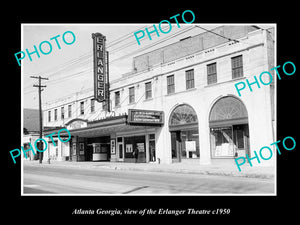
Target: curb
186, 171
162, 170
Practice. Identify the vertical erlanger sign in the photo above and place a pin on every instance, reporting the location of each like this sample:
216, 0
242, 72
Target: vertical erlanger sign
99, 67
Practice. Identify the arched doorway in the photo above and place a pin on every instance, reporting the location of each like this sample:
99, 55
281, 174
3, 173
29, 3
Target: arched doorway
183, 126
229, 131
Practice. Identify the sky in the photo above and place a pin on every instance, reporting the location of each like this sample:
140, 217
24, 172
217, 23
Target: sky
70, 69
62, 65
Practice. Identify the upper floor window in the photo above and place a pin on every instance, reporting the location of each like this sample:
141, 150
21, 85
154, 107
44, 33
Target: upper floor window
212, 73
117, 98
131, 95
62, 113
170, 84
81, 108
189, 77
148, 90
92, 105
49, 116
237, 66
69, 111
55, 114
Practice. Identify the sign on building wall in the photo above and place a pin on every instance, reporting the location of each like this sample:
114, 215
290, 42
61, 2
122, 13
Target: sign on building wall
100, 86
147, 117
112, 146
74, 148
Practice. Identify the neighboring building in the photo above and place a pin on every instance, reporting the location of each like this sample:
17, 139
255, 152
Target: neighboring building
194, 111
30, 130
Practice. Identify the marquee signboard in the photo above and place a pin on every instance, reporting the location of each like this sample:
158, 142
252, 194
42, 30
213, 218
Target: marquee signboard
100, 91
145, 117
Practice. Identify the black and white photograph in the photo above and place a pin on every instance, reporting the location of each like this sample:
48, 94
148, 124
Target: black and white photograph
146, 111
168, 109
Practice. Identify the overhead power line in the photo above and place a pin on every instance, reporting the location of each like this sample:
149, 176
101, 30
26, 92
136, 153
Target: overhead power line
122, 38
86, 58
153, 44
210, 31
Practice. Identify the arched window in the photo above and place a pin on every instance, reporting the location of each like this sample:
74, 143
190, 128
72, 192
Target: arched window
228, 110
183, 115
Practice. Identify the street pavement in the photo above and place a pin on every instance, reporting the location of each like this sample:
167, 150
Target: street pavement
191, 166
98, 179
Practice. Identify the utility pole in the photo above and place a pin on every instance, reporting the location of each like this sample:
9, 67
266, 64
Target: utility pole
40, 144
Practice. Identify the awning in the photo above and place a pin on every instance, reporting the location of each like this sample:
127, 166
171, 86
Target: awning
104, 130
103, 127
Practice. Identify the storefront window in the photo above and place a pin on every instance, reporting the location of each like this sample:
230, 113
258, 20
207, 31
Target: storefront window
132, 144
183, 125
221, 142
229, 133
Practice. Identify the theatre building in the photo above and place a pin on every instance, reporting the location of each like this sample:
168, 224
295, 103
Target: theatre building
178, 104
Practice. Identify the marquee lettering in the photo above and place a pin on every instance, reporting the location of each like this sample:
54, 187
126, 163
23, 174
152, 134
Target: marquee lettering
100, 67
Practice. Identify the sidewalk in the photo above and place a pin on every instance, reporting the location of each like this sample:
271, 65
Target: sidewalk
188, 167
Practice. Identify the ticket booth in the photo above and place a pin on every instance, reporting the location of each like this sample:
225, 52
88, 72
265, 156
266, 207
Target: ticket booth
100, 151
